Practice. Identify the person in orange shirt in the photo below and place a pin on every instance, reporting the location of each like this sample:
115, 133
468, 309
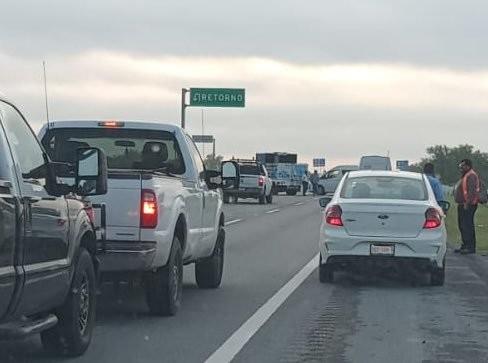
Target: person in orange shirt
467, 194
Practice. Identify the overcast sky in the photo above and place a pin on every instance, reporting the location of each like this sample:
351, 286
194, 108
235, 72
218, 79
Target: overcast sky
334, 79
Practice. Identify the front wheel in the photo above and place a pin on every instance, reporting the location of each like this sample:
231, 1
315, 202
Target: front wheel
72, 335
165, 285
208, 271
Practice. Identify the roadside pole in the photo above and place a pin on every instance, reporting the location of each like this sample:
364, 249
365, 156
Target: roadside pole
184, 91
213, 151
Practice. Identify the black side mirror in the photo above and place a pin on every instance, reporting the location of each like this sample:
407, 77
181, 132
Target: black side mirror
90, 172
445, 205
230, 175
213, 179
324, 201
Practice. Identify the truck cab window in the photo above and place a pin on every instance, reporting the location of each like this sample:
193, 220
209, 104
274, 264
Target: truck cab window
198, 158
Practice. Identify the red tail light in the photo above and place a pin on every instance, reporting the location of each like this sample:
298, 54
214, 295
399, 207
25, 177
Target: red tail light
91, 214
432, 218
333, 216
261, 181
149, 209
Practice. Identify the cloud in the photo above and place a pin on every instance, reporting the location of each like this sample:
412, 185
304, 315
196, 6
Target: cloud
337, 110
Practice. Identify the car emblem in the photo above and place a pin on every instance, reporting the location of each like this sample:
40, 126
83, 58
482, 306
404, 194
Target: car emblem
383, 216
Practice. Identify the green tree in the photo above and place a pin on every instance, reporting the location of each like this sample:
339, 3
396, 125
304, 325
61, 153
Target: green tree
446, 160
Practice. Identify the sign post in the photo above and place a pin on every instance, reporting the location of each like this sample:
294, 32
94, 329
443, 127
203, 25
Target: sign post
211, 97
205, 139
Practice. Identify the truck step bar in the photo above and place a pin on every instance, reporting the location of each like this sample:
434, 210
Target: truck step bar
21, 328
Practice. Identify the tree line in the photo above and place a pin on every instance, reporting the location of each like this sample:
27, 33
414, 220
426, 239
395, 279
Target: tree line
446, 160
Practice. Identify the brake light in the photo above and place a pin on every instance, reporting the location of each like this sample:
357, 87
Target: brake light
432, 218
111, 124
91, 214
149, 209
333, 216
261, 181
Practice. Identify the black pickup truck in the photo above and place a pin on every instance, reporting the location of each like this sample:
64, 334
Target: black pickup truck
48, 262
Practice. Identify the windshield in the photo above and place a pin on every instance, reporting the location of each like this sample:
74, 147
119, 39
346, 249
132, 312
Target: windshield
249, 169
126, 149
384, 187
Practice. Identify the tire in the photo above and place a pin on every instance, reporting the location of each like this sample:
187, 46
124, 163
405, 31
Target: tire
262, 198
269, 198
164, 286
73, 333
326, 272
236, 199
291, 192
208, 271
226, 198
438, 275
320, 190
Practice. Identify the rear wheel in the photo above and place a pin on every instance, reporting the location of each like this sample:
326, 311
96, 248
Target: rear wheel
208, 272
73, 333
326, 272
320, 190
262, 198
165, 285
269, 198
437, 275
226, 198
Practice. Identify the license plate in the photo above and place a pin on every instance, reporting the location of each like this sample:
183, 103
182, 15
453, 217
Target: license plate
382, 250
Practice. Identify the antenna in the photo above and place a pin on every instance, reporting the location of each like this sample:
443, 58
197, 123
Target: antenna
45, 93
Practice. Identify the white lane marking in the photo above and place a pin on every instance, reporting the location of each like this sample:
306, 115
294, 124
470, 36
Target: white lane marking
272, 211
299, 203
232, 221
241, 336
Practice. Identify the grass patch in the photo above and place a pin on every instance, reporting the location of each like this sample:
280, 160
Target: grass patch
480, 220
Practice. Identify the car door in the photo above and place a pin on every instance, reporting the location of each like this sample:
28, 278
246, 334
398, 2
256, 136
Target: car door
8, 223
46, 227
210, 202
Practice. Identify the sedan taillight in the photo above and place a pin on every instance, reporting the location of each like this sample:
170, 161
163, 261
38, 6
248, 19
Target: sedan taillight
433, 218
333, 216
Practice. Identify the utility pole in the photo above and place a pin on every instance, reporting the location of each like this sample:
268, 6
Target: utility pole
45, 92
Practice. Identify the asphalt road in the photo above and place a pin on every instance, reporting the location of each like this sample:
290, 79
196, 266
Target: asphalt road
356, 319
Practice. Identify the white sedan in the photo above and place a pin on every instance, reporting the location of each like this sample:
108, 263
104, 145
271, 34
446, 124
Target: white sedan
382, 219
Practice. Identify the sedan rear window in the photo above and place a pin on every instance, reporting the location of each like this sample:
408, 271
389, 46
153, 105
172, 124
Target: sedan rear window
126, 149
384, 187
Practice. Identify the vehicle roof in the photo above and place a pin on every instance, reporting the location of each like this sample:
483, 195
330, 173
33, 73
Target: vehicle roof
394, 173
341, 167
152, 125
375, 156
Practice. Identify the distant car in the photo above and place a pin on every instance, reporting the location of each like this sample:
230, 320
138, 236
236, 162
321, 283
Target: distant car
375, 162
330, 180
382, 219
254, 183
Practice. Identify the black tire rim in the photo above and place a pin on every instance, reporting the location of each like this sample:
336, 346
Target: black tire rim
84, 312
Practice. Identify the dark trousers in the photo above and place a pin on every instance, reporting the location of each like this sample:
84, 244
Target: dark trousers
466, 226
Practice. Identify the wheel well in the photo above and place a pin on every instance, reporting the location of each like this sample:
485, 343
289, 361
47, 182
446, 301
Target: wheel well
89, 242
180, 231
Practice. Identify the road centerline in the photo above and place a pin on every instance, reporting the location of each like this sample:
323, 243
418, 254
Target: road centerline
234, 344
272, 211
233, 221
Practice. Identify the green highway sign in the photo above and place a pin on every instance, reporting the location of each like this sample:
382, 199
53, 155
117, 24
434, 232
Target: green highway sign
206, 139
217, 97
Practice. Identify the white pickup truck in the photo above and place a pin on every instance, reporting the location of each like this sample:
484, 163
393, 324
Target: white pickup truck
162, 209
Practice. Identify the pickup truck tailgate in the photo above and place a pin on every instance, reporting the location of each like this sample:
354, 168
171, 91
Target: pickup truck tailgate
122, 207
249, 181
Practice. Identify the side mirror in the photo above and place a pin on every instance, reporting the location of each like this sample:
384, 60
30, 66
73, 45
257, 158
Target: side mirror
90, 172
230, 175
324, 201
445, 205
213, 179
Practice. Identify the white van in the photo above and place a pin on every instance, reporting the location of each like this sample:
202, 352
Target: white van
375, 162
